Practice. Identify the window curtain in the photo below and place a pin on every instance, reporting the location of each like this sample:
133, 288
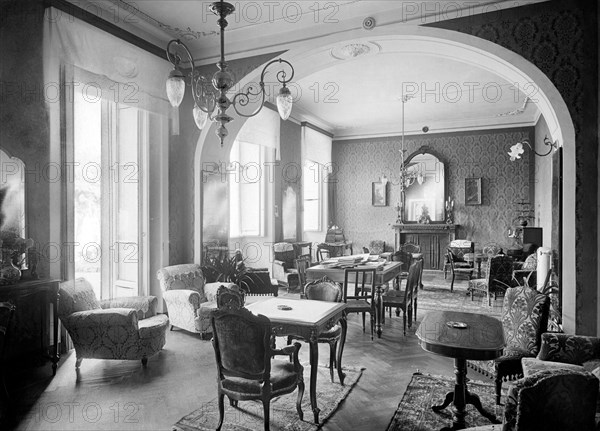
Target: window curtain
262, 129
127, 73
77, 53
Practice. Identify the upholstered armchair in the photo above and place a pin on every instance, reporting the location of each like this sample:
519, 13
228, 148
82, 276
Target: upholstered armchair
244, 353
121, 328
551, 400
524, 319
284, 265
188, 297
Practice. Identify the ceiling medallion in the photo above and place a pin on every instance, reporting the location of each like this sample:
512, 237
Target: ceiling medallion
353, 50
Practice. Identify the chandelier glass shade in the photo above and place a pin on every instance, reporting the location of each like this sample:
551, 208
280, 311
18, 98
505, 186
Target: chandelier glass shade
210, 95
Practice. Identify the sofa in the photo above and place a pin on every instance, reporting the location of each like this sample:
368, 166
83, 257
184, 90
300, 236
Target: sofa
189, 298
120, 328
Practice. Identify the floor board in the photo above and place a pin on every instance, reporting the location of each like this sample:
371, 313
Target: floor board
121, 395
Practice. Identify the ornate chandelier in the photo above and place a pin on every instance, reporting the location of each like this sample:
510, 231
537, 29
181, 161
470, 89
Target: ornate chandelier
210, 96
406, 177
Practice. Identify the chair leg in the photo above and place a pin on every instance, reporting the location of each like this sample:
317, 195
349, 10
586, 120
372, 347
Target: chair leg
452, 283
498, 389
299, 399
267, 414
221, 410
372, 316
363, 321
78, 363
332, 350
415, 316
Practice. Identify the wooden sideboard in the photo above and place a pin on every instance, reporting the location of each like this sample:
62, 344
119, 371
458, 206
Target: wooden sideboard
433, 238
34, 335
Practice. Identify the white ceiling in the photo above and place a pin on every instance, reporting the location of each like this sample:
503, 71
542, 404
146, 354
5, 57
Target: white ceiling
356, 96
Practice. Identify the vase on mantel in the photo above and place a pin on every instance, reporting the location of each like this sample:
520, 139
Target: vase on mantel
9, 273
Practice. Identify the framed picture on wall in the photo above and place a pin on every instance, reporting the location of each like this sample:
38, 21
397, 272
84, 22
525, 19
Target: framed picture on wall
379, 194
472, 191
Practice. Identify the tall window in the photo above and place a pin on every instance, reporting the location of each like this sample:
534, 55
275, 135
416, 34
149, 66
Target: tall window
312, 187
247, 182
108, 156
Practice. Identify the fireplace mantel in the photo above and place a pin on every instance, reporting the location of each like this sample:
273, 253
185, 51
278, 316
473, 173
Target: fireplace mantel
433, 238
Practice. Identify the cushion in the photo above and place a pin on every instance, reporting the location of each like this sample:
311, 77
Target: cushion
524, 318
283, 377
533, 365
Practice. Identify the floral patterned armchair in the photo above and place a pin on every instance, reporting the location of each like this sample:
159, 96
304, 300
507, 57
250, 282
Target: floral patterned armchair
189, 299
121, 328
551, 400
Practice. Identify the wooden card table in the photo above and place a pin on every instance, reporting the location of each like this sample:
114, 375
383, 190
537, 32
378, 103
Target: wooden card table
462, 336
307, 319
390, 271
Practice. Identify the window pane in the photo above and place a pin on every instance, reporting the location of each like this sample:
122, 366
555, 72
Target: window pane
87, 187
312, 186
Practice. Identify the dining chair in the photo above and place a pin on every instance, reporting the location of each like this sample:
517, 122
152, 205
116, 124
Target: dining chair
499, 276
457, 270
405, 300
302, 263
457, 250
359, 293
324, 290
406, 258
244, 355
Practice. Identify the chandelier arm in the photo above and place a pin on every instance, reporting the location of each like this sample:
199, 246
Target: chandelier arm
547, 142
175, 59
204, 98
243, 98
281, 75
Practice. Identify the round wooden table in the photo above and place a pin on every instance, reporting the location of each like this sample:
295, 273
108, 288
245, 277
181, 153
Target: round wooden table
462, 336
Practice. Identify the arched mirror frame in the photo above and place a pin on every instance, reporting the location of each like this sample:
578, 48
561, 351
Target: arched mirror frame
425, 149
21, 165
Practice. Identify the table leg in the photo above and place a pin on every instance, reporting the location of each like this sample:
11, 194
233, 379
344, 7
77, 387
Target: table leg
314, 363
460, 397
378, 310
344, 325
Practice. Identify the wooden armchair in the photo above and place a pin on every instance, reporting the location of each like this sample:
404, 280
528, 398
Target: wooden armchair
244, 355
499, 277
284, 266
456, 254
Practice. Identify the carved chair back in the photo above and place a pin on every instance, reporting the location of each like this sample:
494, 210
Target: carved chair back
323, 290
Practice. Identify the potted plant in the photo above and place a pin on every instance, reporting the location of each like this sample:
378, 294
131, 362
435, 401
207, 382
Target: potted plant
224, 268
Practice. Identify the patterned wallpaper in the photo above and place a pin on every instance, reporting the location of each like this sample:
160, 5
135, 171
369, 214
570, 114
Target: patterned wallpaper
468, 154
561, 38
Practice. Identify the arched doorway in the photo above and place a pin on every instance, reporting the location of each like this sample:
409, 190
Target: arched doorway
313, 56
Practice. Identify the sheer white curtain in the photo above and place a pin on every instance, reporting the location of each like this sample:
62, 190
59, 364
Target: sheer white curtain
84, 62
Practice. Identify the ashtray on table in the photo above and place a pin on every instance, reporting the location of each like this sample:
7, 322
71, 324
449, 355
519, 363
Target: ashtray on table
284, 307
460, 325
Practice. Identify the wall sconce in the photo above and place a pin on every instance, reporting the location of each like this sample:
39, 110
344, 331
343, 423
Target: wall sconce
517, 149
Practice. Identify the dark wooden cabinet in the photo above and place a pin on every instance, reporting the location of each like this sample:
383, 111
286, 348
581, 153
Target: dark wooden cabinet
34, 333
433, 238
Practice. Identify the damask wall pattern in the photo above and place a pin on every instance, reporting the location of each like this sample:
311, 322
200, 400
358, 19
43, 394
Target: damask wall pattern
561, 39
470, 154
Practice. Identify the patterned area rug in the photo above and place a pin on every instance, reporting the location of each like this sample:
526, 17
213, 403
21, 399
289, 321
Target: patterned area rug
249, 414
414, 411
437, 296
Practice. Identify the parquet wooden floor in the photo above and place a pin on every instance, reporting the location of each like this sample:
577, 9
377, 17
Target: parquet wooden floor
121, 395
